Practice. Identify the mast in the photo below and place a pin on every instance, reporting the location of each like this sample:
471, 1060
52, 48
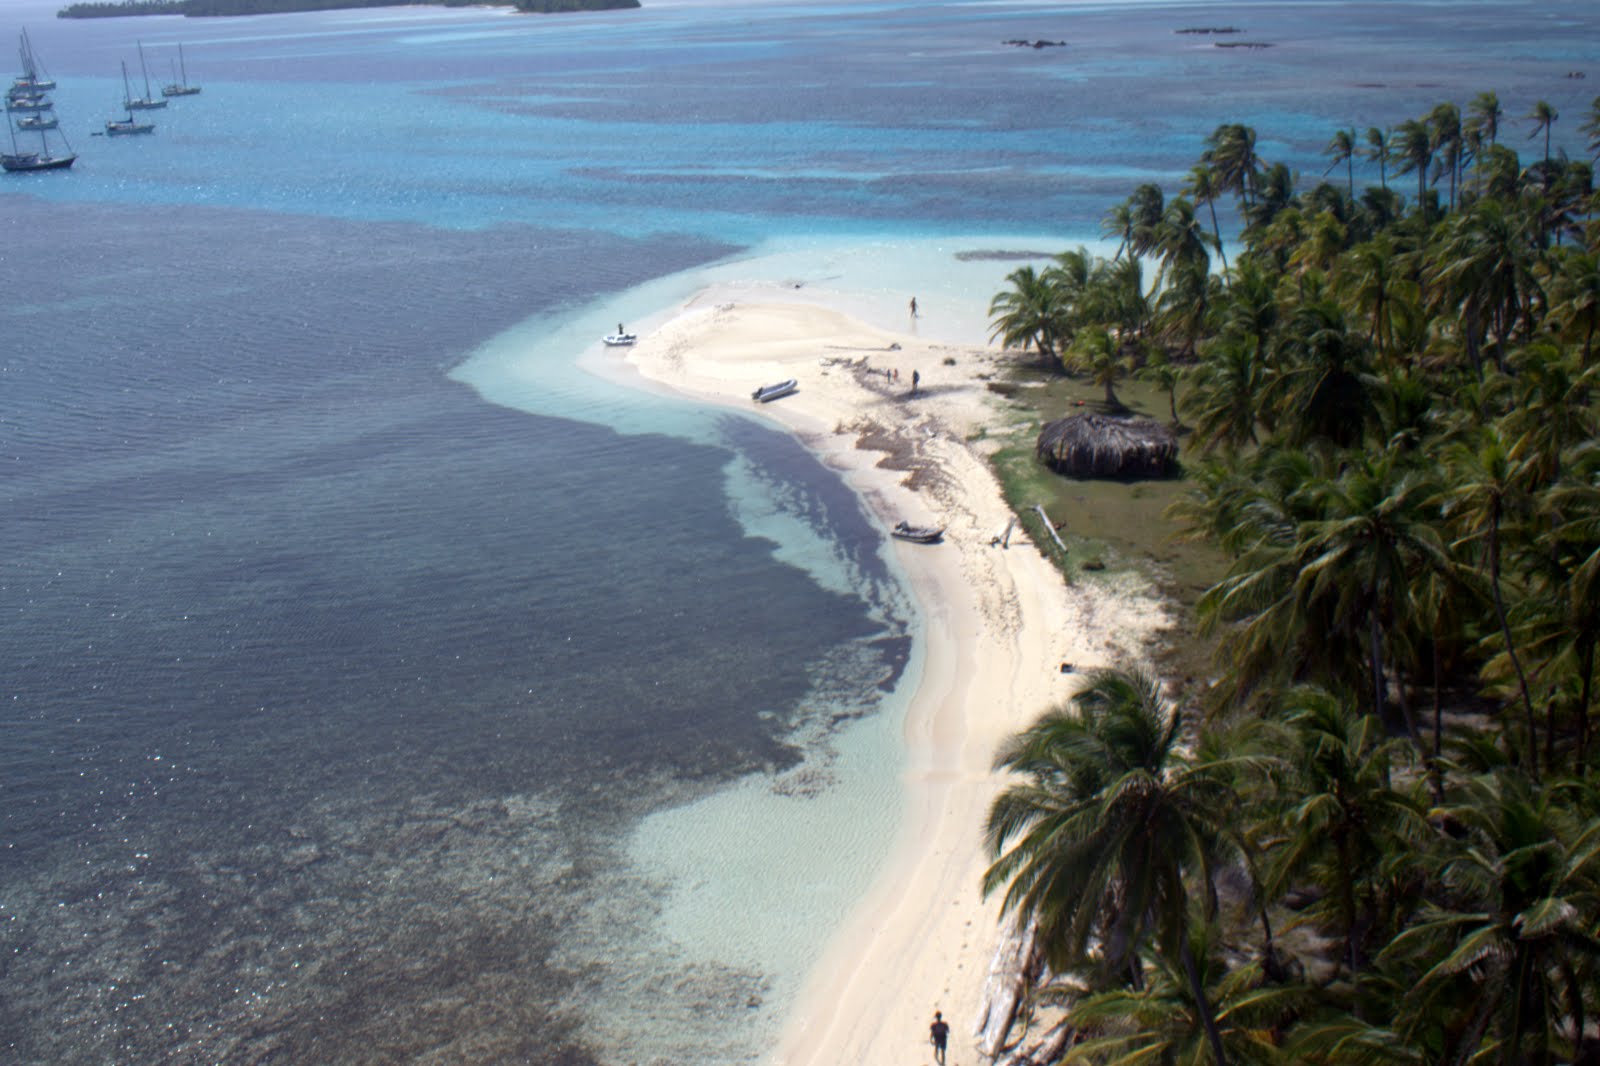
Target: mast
144, 70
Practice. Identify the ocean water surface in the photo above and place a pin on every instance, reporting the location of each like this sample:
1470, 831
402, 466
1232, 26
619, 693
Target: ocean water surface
379, 684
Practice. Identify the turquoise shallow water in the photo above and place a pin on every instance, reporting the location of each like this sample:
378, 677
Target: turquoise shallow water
350, 631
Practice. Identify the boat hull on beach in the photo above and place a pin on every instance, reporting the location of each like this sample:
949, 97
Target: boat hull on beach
768, 393
917, 534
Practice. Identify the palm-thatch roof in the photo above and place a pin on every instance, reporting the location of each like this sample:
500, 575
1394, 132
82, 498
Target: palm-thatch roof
1097, 445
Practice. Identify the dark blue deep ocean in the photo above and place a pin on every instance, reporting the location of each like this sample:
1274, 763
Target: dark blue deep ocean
329, 688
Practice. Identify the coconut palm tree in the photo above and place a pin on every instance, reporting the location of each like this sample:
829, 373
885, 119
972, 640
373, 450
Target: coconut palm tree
1096, 353
1340, 818
1231, 152
1505, 954
1203, 187
1030, 314
1118, 223
1159, 1022
1360, 562
1378, 150
1485, 490
1486, 115
1444, 125
1572, 284
1111, 834
1411, 147
1544, 118
1342, 149
1223, 392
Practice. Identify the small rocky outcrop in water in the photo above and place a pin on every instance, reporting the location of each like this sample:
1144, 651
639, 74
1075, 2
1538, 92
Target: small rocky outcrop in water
1097, 445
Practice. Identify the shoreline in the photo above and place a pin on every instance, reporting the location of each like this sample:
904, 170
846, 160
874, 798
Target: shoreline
997, 623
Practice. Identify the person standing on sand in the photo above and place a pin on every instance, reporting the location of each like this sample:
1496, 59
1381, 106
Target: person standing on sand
916, 379
913, 307
940, 1032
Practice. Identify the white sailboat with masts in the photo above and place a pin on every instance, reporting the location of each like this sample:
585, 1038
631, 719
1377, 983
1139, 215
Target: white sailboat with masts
145, 102
122, 127
29, 112
180, 84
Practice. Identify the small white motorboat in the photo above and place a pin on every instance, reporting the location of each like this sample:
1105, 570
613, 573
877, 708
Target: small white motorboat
768, 393
619, 340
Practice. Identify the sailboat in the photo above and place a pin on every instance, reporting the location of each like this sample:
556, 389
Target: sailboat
121, 127
180, 86
145, 102
32, 81
38, 118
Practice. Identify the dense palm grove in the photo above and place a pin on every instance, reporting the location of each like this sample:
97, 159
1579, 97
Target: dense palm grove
1374, 837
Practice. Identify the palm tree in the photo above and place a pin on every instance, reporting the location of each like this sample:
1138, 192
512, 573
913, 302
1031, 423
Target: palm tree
1484, 493
1411, 147
1159, 1022
1378, 149
1544, 117
1342, 149
1486, 115
1118, 223
1591, 127
1231, 152
1359, 564
1223, 392
1111, 834
1444, 122
1096, 353
1029, 314
1341, 818
1504, 956
1203, 187
1573, 288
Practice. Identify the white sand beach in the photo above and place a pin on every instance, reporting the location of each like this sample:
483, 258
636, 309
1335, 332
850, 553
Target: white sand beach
998, 625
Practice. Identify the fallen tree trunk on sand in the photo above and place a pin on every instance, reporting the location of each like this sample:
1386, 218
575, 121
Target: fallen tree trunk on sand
1047, 1050
1012, 972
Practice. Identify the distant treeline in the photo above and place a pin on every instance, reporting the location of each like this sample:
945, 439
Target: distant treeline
200, 8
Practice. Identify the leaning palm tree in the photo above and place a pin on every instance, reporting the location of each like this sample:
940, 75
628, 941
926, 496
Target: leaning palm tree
1111, 834
1202, 186
1029, 315
1342, 149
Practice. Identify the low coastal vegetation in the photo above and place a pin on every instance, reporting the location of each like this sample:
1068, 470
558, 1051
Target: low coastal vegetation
1372, 835
200, 8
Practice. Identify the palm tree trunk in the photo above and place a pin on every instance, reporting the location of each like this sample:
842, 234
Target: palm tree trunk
1511, 650
1436, 768
1203, 1005
1584, 693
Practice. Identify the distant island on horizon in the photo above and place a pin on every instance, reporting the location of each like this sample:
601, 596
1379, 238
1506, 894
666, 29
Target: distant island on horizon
205, 8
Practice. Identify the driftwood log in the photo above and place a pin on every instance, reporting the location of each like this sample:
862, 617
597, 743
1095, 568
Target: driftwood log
1096, 445
1012, 971
1047, 1050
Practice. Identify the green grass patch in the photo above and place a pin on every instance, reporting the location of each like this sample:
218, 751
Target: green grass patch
1114, 526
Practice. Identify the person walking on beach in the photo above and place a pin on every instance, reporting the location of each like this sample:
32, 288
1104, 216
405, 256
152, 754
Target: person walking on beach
940, 1032
916, 379
913, 307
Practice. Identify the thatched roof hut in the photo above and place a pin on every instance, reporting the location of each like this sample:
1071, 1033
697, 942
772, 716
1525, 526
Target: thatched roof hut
1096, 445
